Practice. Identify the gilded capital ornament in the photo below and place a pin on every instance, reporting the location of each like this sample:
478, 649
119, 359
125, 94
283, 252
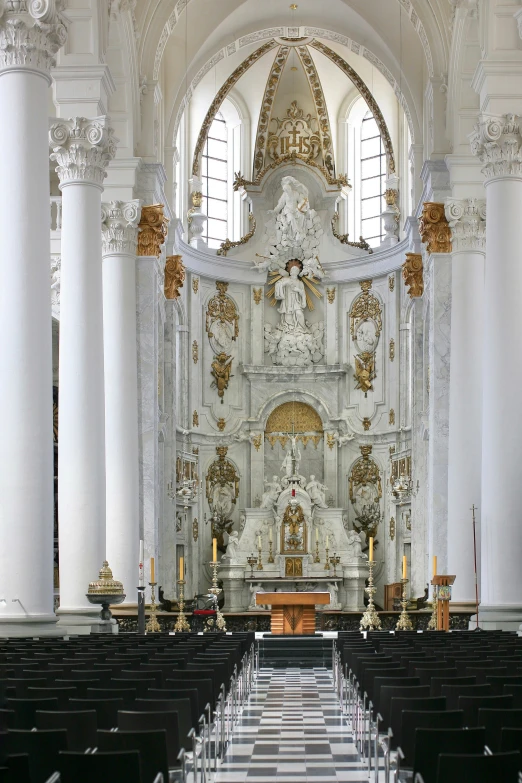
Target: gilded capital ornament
31, 33
195, 284
174, 277
467, 221
497, 142
195, 351
434, 229
258, 294
120, 220
83, 149
153, 230
412, 270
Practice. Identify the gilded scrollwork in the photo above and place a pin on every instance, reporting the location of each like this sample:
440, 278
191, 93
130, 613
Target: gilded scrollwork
341, 180
228, 244
364, 371
222, 312
434, 229
365, 492
258, 295
330, 293
392, 349
174, 277
412, 274
271, 86
365, 328
221, 371
152, 230
195, 351
343, 238
222, 491
365, 306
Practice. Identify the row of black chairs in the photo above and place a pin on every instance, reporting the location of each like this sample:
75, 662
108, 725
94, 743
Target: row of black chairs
440, 707
168, 701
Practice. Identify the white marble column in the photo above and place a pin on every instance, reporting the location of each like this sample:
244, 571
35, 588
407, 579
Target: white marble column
28, 42
466, 218
82, 149
119, 247
498, 143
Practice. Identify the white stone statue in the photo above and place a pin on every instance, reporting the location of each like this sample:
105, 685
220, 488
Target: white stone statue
222, 500
292, 460
232, 547
272, 492
343, 439
354, 544
333, 589
290, 291
293, 206
241, 437
317, 492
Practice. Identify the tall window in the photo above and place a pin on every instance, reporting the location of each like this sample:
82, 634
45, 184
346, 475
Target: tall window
373, 181
214, 175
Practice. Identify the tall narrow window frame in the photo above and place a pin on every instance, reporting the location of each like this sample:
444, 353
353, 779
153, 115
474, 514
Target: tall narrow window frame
372, 181
214, 171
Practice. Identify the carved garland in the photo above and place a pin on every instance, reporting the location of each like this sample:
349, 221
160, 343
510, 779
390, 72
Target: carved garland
220, 97
292, 157
343, 238
228, 244
366, 94
266, 107
174, 277
320, 106
412, 274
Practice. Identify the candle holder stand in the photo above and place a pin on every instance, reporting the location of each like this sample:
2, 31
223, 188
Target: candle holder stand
152, 626
220, 620
404, 623
270, 552
327, 564
141, 610
432, 625
370, 621
251, 562
317, 559
182, 625
335, 560
259, 561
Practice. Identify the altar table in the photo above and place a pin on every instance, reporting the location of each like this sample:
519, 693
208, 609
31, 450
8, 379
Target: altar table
292, 613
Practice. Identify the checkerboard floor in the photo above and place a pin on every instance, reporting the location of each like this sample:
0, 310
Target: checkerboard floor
292, 730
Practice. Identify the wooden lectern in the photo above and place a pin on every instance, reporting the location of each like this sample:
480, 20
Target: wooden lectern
292, 613
443, 584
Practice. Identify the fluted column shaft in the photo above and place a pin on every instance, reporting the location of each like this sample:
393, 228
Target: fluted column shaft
119, 246
27, 48
466, 219
82, 149
498, 143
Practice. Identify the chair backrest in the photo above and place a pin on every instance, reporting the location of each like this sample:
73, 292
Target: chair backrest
25, 710
62, 694
437, 683
516, 692
426, 719
180, 692
85, 768
389, 692
152, 747
454, 692
511, 739
472, 704
468, 768
204, 687
106, 710
494, 720
80, 726
399, 704
503, 684
145, 721
181, 706
128, 695
430, 742
382, 681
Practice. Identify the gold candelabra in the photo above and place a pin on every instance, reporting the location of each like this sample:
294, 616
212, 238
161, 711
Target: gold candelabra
432, 625
335, 560
220, 620
259, 561
404, 623
270, 552
370, 621
317, 559
252, 560
152, 626
182, 622
327, 564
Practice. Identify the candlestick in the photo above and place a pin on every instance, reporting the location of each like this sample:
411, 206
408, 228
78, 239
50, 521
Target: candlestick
141, 577
335, 560
370, 621
152, 626
141, 609
404, 567
317, 559
432, 625
371, 549
404, 623
214, 550
270, 552
270, 534
327, 564
220, 620
252, 560
181, 625
152, 573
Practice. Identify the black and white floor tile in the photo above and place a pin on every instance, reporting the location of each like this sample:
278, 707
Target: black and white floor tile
292, 730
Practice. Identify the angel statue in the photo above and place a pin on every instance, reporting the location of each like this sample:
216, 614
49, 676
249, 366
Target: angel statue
293, 206
317, 492
272, 493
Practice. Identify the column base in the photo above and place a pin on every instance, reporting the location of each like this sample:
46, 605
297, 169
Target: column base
84, 622
27, 626
498, 618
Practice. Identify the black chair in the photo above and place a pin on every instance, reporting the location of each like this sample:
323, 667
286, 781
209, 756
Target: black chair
414, 719
181, 706
22, 684
472, 704
81, 686
380, 682
25, 710
499, 768
429, 743
500, 684
494, 721
181, 692
516, 692
426, 674
80, 727
154, 721
152, 747
119, 767
511, 739
37, 751
62, 695
401, 703
106, 710
437, 683
204, 687
127, 695
389, 692
141, 687
141, 674
454, 692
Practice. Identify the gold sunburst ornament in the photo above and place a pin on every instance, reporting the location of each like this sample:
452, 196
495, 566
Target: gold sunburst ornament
310, 283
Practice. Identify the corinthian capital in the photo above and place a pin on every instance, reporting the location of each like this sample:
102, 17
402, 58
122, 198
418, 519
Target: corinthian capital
82, 149
31, 32
120, 221
497, 142
467, 221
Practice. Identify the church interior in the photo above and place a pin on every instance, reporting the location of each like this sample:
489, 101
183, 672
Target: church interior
256, 261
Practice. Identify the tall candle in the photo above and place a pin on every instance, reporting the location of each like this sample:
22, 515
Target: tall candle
152, 574
269, 533
434, 565
316, 534
259, 542
371, 549
141, 578
214, 550
327, 541
181, 566
404, 567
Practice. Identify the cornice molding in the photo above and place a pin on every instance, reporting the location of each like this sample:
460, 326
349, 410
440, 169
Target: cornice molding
82, 148
467, 220
497, 142
31, 33
120, 221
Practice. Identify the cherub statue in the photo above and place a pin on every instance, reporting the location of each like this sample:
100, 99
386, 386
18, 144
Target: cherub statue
354, 543
343, 439
272, 493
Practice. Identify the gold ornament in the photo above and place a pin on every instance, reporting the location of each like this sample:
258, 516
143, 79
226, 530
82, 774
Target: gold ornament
174, 277
195, 284
330, 440
195, 352
195, 529
364, 371
152, 230
412, 274
330, 293
195, 450
106, 584
295, 417
391, 282
271, 86
365, 472
434, 228
392, 528
197, 198
221, 372
366, 423
258, 295
365, 307
257, 440
195, 419
228, 244
222, 308
221, 423
391, 417
392, 349
343, 238
390, 196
